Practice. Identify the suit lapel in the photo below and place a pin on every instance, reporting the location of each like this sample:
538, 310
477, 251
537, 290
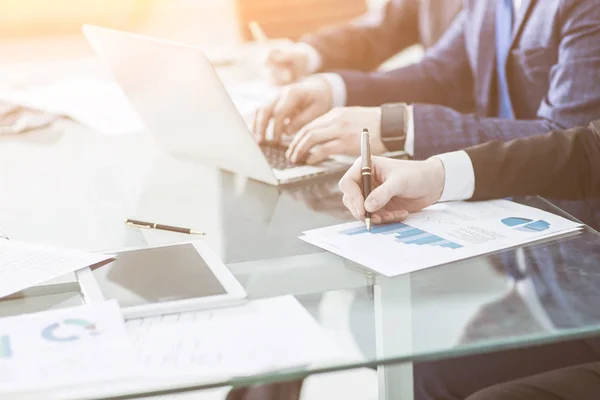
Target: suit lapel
486, 58
520, 18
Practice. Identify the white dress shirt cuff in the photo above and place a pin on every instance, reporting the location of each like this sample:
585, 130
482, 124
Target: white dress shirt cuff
460, 176
338, 88
315, 61
409, 143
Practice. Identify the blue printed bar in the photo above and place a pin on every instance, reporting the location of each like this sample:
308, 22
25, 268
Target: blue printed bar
378, 229
389, 228
410, 233
430, 239
5, 347
450, 245
355, 231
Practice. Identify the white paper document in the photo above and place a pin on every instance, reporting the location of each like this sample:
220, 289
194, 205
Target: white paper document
440, 234
65, 347
261, 335
102, 106
249, 96
99, 105
24, 265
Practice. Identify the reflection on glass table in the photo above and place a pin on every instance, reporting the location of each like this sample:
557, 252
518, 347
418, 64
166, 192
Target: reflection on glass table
545, 292
41, 298
542, 293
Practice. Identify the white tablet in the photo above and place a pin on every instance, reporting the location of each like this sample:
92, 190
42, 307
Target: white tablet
163, 279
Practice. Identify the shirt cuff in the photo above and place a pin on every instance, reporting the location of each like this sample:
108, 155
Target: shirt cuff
315, 61
460, 176
409, 143
338, 88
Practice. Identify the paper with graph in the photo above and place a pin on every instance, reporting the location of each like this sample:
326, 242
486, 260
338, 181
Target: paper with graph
440, 234
64, 348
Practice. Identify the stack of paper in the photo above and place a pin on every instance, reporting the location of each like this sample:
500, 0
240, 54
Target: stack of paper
89, 351
102, 106
25, 265
263, 335
99, 105
65, 347
440, 234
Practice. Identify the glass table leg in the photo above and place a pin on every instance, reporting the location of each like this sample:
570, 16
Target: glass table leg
393, 329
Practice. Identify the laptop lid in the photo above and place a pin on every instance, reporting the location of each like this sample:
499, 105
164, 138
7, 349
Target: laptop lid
181, 100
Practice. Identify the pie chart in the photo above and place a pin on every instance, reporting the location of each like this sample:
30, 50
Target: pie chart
525, 224
69, 330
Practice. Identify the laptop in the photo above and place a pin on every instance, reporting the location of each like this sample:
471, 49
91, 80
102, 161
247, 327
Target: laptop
186, 108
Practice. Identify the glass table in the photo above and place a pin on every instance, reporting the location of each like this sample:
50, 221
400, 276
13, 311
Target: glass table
68, 186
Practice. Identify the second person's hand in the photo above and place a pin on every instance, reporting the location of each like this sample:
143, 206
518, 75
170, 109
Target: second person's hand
289, 63
337, 132
295, 106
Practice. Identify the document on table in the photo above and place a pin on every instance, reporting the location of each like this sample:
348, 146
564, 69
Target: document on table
24, 265
97, 104
440, 234
262, 335
249, 96
101, 104
64, 347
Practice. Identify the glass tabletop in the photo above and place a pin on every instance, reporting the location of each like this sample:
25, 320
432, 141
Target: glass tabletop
70, 187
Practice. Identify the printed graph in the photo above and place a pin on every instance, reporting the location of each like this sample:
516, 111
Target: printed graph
59, 332
5, 347
404, 233
525, 224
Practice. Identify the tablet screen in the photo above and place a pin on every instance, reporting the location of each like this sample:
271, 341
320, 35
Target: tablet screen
155, 275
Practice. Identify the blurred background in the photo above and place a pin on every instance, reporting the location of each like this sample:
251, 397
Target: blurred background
32, 30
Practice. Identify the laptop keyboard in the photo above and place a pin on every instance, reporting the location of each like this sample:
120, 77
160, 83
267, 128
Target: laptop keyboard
275, 154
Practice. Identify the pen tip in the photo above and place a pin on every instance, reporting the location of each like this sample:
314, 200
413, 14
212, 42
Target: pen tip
365, 130
368, 223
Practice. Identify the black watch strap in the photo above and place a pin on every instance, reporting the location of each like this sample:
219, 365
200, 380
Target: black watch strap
394, 126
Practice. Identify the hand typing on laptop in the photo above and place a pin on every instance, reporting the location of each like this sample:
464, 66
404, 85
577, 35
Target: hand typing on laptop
193, 120
306, 108
295, 106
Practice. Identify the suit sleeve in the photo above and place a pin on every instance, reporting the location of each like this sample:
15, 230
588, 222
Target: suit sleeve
370, 40
563, 165
573, 97
442, 77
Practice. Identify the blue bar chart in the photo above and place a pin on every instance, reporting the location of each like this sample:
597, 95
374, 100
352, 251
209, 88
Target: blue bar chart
5, 347
404, 233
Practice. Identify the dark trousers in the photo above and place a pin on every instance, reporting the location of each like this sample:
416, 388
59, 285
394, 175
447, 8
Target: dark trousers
459, 378
575, 383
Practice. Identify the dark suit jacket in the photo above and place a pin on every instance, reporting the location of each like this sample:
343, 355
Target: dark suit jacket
563, 165
367, 42
553, 71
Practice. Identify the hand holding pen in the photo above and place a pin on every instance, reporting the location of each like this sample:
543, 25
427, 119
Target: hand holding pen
398, 187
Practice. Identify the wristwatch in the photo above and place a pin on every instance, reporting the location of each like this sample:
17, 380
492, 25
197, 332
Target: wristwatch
394, 125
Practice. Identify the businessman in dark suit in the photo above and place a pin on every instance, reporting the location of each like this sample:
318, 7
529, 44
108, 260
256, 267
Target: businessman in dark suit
563, 165
367, 42
530, 66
